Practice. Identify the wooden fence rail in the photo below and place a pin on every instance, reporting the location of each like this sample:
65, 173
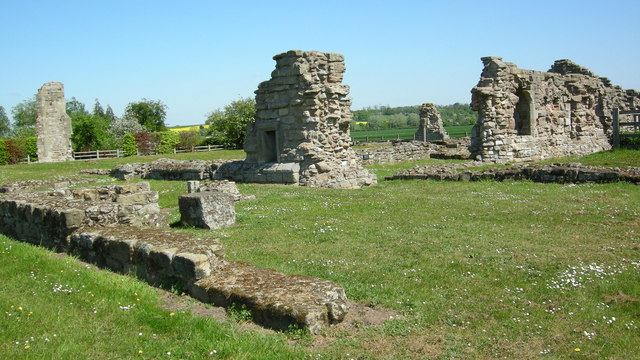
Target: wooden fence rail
635, 123
98, 154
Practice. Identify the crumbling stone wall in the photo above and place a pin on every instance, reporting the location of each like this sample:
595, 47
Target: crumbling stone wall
526, 115
414, 150
116, 226
550, 173
49, 217
431, 127
53, 125
302, 126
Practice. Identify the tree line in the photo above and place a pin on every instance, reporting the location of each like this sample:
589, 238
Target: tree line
385, 117
141, 129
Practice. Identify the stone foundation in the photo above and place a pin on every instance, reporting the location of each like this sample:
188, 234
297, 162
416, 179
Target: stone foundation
167, 169
553, 173
414, 150
117, 227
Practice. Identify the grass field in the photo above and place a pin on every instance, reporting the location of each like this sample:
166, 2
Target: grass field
404, 134
481, 270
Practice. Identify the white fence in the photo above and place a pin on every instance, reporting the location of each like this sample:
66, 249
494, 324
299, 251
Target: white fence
98, 154
198, 148
106, 154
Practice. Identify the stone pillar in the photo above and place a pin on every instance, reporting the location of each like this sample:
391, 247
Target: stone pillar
431, 127
53, 126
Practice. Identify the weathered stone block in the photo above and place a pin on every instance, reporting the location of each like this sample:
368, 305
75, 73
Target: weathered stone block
208, 210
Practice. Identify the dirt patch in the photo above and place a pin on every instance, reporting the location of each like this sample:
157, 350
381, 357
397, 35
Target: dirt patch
619, 298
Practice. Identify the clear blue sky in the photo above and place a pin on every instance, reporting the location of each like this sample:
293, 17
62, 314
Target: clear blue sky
197, 56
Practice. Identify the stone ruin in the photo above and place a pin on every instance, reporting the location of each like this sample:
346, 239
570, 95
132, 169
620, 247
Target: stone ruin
526, 115
431, 127
121, 227
301, 133
53, 125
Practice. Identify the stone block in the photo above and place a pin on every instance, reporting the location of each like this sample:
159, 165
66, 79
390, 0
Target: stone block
208, 210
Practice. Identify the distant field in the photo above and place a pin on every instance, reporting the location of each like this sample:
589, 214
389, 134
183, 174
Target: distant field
404, 134
188, 128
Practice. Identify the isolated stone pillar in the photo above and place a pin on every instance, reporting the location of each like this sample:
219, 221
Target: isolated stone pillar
431, 127
53, 126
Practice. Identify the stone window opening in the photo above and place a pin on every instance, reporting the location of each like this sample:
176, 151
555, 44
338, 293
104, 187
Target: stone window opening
522, 113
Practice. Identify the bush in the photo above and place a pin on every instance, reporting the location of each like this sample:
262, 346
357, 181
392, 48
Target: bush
4, 152
129, 145
10, 152
189, 139
167, 141
145, 142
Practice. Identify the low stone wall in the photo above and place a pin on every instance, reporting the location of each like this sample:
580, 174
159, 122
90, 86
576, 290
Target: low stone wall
116, 226
160, 257
167, 169
553, 173
263, 173
398, 151
49, 217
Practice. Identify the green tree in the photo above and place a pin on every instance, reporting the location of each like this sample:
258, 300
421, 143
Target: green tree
109, 113
167, 141
149, 113
75, 108
25, 113
90, 132
228, 127
98, 110
4, 123
129, 145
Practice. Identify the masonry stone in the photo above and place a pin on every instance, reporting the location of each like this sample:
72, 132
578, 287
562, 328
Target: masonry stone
208, 210
53, 125
301, 133
526, 115
431, 127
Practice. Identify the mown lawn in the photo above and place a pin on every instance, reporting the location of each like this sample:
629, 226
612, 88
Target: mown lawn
477, 270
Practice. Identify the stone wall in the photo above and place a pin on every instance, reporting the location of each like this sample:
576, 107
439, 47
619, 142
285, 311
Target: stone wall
302, 118
551, 173
53, 125
167, 169
117, 227
398, 151
48, 217
526, 115
431, 127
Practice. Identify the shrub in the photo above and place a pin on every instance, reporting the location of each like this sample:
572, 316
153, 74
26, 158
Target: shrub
145, 142
129, 145
167, 141
4, 153
189, 139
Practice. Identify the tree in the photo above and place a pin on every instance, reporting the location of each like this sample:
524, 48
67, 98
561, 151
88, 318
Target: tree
98, 110
109, 113
228, 127
124, 125
4, 123
25, 113
90, 132
75, 107
149, 113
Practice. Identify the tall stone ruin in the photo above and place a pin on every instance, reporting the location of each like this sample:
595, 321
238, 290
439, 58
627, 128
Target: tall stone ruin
301, 133
53, 125
526, 115
431, 127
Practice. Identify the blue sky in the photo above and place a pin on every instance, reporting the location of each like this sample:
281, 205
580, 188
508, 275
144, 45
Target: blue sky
197, 56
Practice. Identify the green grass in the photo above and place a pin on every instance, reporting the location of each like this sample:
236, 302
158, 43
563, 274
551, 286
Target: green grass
404, 134
471, 267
